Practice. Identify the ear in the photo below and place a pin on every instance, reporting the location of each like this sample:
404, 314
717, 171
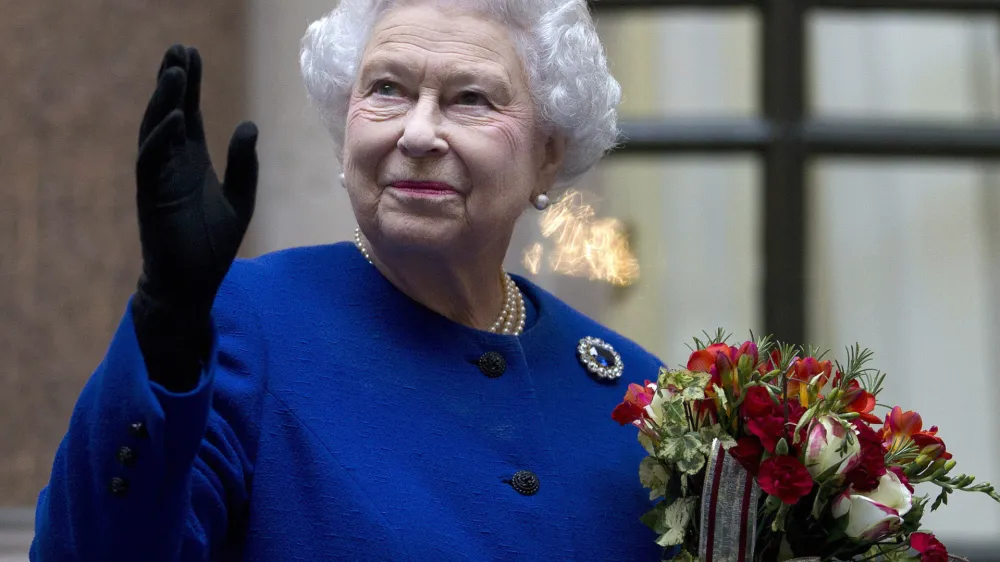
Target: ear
553, 154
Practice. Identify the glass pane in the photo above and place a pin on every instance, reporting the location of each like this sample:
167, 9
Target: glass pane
695, 229
905, 261
683, 62
904, 66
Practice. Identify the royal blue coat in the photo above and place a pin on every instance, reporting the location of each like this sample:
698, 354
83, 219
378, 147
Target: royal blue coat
339, 420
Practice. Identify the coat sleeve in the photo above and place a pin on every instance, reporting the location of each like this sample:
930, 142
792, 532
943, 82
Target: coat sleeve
146, 474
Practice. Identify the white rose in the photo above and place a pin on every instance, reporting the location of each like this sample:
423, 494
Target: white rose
876, 514
827, 446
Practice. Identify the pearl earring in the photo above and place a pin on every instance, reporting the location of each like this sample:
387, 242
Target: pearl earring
541, 202
343, 180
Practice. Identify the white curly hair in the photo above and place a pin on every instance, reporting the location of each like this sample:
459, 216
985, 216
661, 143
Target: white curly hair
573, 91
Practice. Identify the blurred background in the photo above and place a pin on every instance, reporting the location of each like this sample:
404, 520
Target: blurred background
824, 170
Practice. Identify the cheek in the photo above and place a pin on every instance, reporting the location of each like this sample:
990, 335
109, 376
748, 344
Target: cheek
369, 134
499, 149
501, 165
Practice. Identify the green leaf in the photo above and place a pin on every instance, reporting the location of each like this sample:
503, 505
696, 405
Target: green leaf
683, 379
691, 466
671, 538
778, 525
677, 519
685, 556
829, 473
654, 518
721, 395
675, 432
693, 393
941, 499
806, 418
673, 412
911, 521
772, 503
647, 443
669, 449
712, 432
819, 503
782, 447
653, 474
686, 452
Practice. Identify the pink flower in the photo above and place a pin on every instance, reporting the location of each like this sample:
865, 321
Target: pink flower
633, 408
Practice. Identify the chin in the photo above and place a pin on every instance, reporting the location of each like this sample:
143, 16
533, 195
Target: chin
424, 234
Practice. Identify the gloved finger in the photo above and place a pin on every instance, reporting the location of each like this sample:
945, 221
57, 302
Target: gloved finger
240, 185
167, 97
176, 55
155, 154
192, 96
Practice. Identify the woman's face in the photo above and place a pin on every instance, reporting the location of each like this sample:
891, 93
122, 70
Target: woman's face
442, 149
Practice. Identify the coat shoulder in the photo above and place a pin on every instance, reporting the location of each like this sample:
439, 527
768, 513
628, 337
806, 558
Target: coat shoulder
641, 363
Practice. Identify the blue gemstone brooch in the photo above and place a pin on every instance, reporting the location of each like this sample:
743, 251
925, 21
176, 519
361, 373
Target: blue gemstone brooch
599, 358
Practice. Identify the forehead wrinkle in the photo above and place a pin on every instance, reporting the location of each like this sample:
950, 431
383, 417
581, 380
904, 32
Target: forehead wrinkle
382, 62
467, 49
400, 32
468, 68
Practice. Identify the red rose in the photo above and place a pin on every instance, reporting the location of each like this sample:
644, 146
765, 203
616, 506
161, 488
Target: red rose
865, 476
770, 426
786, 478
795, 413
748, 452
930, 549
769, 429
757, 403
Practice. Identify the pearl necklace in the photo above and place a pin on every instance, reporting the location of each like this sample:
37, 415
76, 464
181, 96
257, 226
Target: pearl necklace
510, 322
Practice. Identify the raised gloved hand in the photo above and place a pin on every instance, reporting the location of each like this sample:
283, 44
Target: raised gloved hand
190, 225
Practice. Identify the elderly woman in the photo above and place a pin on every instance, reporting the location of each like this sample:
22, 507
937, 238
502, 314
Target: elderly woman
396, 398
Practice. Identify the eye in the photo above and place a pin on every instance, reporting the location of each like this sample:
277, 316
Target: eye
471, 98
386, 88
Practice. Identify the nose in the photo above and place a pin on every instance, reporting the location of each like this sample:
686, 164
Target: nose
421, 135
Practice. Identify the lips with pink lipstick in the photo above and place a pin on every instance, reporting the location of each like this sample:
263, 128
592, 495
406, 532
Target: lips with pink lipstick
424, 188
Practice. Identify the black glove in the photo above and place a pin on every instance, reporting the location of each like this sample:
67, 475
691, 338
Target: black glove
190, 225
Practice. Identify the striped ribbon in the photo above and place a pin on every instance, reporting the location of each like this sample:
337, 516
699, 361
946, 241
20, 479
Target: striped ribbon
728, 510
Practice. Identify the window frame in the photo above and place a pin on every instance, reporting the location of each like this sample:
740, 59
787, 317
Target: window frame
786, 138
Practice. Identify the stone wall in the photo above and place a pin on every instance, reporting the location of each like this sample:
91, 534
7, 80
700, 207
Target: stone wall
74, 81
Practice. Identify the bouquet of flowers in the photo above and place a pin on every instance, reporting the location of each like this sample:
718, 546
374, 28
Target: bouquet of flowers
767, 451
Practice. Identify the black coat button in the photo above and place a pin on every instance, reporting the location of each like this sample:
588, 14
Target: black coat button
138, 429
525, 482
492, 364
126, 456
118, 486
